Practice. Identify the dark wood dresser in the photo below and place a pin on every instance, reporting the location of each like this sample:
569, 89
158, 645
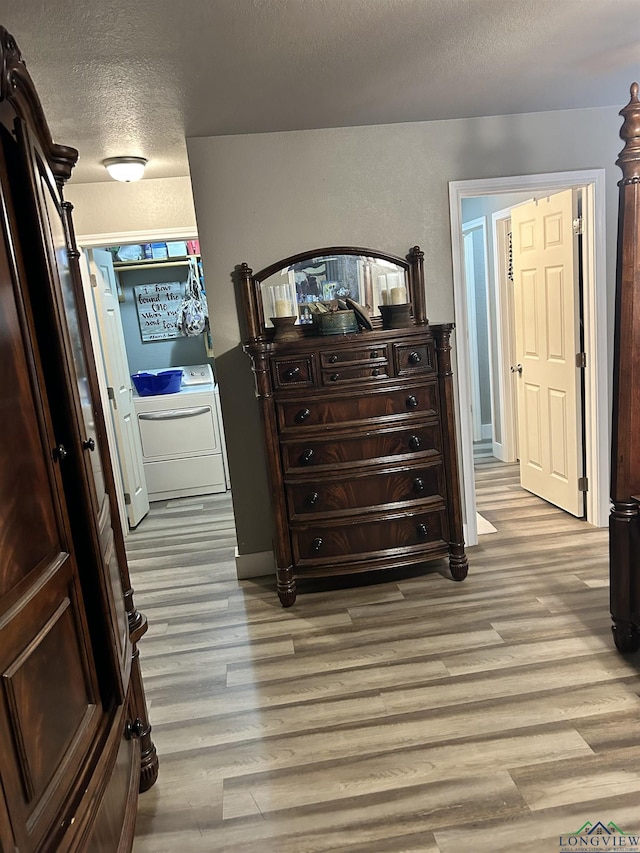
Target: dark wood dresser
75, 741
359, 428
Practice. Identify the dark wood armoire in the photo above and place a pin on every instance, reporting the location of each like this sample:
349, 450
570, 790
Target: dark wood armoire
75, 742
624, 524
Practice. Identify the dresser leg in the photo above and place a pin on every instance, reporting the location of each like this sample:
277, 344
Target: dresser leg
626, 636
458, 563
286, 587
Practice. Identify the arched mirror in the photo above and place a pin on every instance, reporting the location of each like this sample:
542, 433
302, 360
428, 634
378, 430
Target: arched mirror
364, 282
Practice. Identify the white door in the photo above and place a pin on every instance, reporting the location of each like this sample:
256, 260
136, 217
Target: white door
103, 279
547, 331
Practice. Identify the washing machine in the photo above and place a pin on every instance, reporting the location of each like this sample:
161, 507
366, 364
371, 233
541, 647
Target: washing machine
182, 438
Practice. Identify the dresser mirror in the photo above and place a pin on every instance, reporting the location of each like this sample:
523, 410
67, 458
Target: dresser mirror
302, 284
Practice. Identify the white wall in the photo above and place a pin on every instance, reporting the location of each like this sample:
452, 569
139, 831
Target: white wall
263, 197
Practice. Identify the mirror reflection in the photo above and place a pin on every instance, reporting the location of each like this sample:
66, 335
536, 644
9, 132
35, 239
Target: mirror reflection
369, 281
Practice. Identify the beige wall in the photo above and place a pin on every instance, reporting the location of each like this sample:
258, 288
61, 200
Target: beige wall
266, 196
111, 207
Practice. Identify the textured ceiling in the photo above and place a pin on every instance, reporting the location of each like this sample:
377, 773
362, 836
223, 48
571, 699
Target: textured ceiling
117, 77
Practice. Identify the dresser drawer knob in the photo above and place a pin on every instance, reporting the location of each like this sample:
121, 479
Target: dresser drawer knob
415, 357
418, 484
334, 377
292, 373
411, 402
302, 415
312, 499
375, 372
317, 544
333, 359
306, 456
423, 531
414, 442
374, 353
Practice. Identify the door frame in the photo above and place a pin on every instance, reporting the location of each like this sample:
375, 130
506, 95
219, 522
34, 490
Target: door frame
468, 229
93, 241
596, 406
504, 312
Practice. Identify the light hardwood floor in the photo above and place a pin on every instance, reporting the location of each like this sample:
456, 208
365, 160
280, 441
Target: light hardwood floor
411, 714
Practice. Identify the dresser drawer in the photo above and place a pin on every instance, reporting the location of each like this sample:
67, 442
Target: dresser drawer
419, 400
347, 541
293, 372
345, 450
354, 374
370, 354
414, 358
386, 488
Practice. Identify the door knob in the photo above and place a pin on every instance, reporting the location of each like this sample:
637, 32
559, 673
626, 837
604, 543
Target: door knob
516, 369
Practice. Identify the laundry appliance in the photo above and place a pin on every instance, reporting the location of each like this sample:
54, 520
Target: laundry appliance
182, 437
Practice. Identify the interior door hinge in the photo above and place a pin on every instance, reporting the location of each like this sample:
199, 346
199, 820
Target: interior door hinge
111, 394
93, 279
127, 499
583, 484
578, 227
581, 359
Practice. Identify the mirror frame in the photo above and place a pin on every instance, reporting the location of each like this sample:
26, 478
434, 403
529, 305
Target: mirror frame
252, 292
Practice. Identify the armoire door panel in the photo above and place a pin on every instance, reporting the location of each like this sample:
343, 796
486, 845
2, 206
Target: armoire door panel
49, 712
24, 510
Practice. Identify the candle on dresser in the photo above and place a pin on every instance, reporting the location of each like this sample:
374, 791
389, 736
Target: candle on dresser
385, 297
283, 308
398, 295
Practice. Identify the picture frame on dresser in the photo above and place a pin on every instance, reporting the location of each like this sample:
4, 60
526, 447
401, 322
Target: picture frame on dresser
359, 427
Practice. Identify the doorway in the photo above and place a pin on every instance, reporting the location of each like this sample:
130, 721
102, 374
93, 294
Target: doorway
514, 190
199, 464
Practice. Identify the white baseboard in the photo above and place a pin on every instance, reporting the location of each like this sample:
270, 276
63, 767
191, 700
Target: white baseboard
255, 565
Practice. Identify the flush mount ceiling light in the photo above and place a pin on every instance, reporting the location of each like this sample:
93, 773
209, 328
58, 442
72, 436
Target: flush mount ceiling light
125, 168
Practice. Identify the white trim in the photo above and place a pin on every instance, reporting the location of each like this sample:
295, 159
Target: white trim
504, 338
596, 378
472, 329
595, 341
154, 235
112, 444
255, 565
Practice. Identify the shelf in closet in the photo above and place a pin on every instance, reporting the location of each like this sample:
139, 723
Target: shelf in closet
153, 263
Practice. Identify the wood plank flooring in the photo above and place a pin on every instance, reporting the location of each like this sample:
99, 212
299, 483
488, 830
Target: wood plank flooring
407, 714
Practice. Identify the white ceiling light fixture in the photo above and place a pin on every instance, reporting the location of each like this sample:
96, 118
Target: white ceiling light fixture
125, 168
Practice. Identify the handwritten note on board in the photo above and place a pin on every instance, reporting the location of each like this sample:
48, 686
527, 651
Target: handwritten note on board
158, 306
